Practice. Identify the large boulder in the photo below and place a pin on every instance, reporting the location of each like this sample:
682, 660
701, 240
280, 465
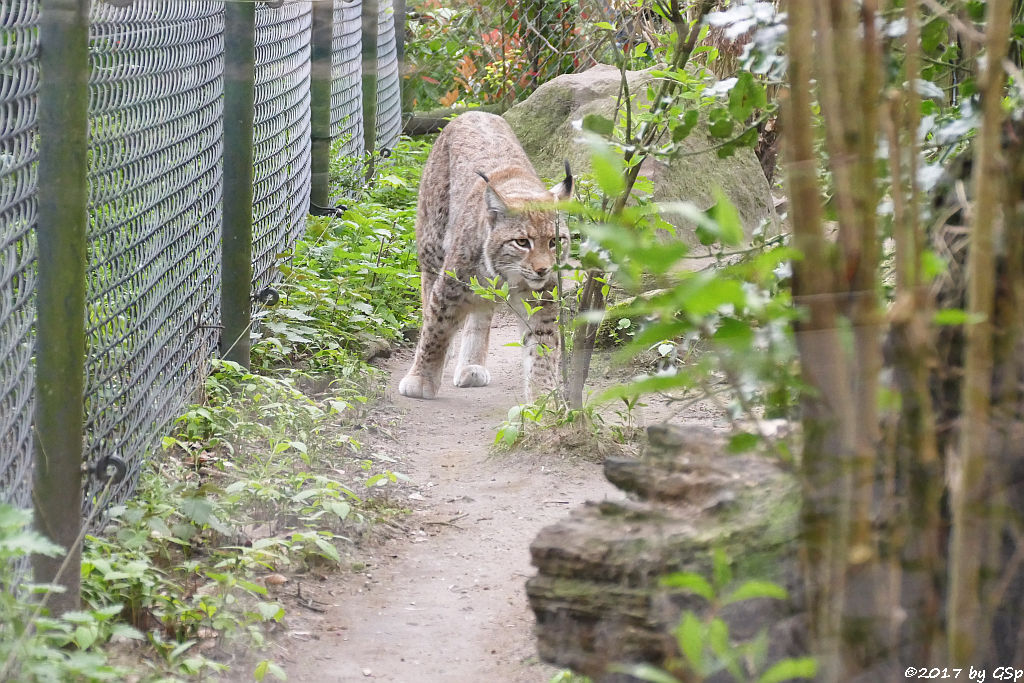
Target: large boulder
544, 124
597, 595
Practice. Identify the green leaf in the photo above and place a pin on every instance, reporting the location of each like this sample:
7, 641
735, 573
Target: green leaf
683, 129
252, 587
933, 34
725, 215
932, 265
125, 631
199, 510
28, 543
598, 124
270, 611
721, 569
720, 124
734, 334
607, 169
339, 508
689, 581
261, 670
647, 385
718, 638
277, 672
78, 617
293, 314
180, 649
757, 589
106, 613
690, 635
788, 669
707, 295
956, 316
84, 637
743, 442
746, 96
645, 672
328, 548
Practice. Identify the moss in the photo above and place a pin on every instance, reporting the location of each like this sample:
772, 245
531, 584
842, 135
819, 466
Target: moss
544, 124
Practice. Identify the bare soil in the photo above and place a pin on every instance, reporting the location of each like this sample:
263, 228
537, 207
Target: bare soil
444, 600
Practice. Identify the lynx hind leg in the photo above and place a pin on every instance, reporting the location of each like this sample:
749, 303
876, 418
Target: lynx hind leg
470, 370
441, 315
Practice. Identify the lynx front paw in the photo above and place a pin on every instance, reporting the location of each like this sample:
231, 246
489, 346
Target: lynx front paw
472, 376
417, 386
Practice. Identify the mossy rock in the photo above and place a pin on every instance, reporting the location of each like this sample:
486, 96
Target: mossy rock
544, 124
597, 595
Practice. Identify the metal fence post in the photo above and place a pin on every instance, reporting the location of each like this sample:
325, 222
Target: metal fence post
371, 28
239, 113
60, 294
321, 49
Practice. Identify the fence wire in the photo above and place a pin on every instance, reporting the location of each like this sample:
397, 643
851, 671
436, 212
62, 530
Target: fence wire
346, 79
497, 52
19, 81
155, 183
389, 98
282, 143
155, 119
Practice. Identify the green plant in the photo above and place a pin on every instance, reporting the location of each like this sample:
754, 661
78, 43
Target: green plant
704, 640
351, 282
33, 645
568, 677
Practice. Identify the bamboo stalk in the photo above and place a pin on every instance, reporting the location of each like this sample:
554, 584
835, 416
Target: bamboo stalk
818, 343
923, 469
970, 484
867, 614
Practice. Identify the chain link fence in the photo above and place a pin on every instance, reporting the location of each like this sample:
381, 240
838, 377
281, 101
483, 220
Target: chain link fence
155, 202
281, 154
346, 78
19, 83
152, 281
388, 122
496, 52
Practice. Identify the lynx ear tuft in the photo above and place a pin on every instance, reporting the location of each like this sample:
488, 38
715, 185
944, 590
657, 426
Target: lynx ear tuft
495, 204
564, 189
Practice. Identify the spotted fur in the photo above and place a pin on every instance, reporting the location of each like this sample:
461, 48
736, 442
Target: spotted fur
482, 214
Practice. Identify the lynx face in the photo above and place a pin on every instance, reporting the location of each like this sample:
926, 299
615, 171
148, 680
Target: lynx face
523, 248
522, 243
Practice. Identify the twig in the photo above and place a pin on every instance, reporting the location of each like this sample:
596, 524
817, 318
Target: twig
450, 522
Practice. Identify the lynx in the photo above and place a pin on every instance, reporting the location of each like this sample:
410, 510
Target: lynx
484, 213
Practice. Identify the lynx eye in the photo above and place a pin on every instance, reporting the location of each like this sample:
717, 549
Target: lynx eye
522, 242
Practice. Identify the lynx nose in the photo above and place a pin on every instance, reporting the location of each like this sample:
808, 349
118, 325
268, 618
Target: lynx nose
541, 272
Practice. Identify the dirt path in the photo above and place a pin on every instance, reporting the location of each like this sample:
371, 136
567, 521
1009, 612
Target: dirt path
447, 603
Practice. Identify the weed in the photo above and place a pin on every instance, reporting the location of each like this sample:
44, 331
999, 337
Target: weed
548, 423
35, 646
704, 641
248, 484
